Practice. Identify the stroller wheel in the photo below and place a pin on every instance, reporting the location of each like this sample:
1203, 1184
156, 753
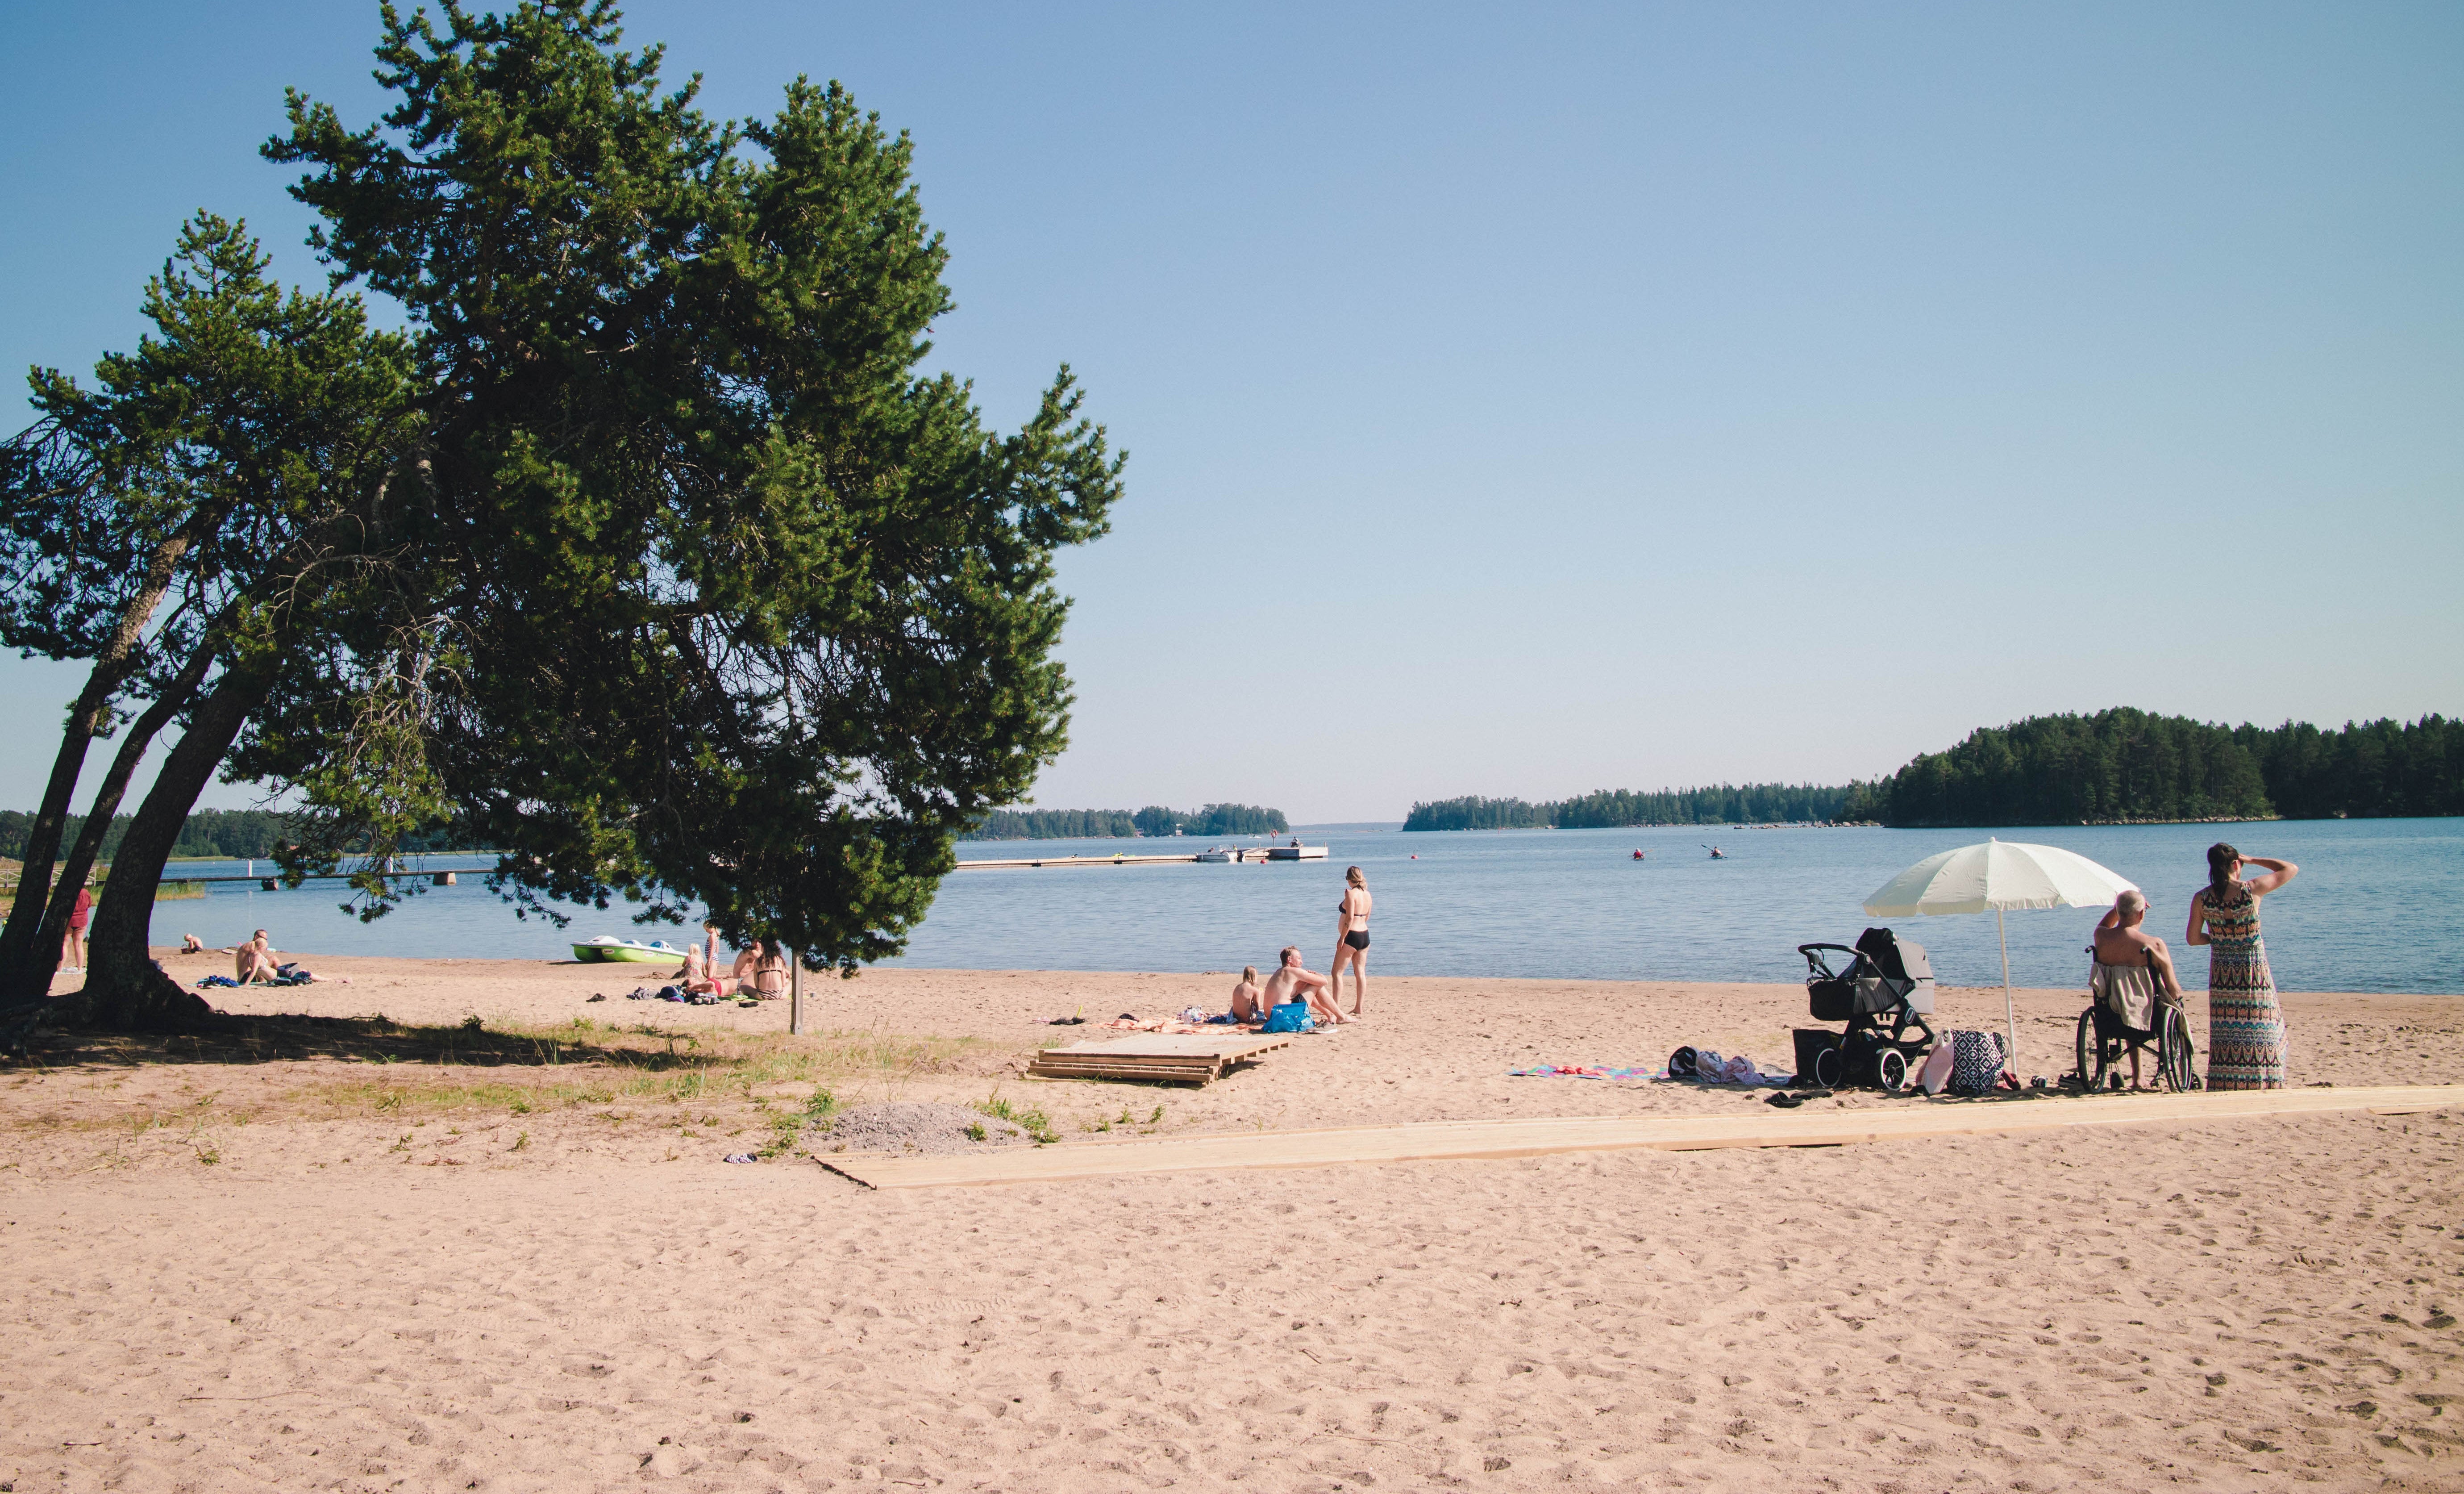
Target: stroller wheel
1891, 1070
1827, 1068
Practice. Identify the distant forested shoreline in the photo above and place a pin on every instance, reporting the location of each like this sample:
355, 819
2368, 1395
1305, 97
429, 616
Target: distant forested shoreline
2127, 766
2115, 767
1215, 819
244, 833
208, 833
1727, 804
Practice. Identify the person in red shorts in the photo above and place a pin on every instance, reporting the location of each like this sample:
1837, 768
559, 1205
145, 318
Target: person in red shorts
72, 943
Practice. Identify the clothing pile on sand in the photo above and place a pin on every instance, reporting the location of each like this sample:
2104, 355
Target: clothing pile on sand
1190, 1019
285, 976
690, 998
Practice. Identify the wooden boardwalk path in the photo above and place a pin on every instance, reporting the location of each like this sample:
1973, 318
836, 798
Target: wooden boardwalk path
1767, 1126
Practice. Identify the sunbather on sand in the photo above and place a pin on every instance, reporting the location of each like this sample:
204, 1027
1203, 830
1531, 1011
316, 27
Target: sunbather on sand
1291, 983
739, 976
1249, 998
696, 976
253, 960
769, 972
190, 944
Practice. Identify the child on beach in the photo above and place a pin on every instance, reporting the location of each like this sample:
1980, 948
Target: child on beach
1249, 998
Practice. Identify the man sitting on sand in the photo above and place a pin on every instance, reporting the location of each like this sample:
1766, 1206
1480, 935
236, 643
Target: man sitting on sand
253, 960
1291, 983
2122, 943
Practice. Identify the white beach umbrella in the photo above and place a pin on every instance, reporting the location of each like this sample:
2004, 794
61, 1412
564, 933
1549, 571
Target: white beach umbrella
1998, 875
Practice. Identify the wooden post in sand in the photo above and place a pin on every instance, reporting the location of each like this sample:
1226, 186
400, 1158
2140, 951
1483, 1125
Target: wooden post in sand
796, 996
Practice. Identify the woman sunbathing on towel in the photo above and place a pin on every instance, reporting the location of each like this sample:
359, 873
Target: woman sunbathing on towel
696, 976
739, 975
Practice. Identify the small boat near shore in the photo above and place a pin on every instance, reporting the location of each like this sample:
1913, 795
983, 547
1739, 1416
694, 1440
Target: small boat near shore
1296, 852
1216, 856
607, 950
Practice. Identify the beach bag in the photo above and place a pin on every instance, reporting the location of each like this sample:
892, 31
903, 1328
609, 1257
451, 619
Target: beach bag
1292, 1016
1680, 1063
1975, 1062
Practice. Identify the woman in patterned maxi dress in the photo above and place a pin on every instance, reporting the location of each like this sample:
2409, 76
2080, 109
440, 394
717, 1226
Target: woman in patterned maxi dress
2246, 1040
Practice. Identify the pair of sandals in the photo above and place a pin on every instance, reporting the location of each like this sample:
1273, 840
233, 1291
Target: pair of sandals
1788, 1102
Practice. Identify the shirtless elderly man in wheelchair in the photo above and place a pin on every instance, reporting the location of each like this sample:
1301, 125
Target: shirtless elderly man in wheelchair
2137, 1000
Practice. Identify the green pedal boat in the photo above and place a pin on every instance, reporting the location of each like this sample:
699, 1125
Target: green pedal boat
627, 951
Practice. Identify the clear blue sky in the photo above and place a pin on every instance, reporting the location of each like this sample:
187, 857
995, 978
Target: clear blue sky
1530, 399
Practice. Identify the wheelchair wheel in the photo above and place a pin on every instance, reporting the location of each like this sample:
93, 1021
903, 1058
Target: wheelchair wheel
2175, 1058
1828, 1068
1891, 1070
2090, 1052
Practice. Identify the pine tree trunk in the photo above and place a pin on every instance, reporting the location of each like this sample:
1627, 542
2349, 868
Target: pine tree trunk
33, 976
126, 988
27, 916
21, 941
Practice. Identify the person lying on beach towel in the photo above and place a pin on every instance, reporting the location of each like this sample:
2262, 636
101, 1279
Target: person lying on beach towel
695, 975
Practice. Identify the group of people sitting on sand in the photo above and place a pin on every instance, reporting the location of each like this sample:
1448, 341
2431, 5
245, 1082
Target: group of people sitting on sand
759, 970
1254, 1000
252, 963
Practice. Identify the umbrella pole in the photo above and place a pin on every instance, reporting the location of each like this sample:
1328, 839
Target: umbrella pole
2009, 1012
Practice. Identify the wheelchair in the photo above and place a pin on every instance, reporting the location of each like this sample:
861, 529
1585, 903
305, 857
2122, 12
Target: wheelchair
2105, 1038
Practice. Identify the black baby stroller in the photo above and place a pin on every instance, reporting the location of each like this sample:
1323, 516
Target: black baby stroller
1882, 989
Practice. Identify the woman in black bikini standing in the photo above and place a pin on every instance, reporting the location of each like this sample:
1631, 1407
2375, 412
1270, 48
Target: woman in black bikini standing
1351, 940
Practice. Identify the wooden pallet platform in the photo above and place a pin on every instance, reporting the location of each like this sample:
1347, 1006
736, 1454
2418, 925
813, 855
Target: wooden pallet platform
1765, 1126
1172, 1058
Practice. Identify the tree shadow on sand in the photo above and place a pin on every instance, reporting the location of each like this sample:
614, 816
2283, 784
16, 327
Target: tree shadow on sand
231, 1038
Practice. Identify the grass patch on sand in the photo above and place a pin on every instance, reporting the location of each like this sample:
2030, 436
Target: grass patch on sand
512, 1069
1037, 1125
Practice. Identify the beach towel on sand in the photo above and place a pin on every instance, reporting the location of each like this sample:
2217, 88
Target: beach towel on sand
1581, 1071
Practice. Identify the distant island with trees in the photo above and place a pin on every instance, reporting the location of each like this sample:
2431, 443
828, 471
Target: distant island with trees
1217, 820
1727, 804
2123, 766
2115, 767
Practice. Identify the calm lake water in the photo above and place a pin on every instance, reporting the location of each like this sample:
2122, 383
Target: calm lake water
2374, 909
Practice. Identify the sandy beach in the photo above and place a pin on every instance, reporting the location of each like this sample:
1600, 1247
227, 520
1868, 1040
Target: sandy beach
491, 1243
